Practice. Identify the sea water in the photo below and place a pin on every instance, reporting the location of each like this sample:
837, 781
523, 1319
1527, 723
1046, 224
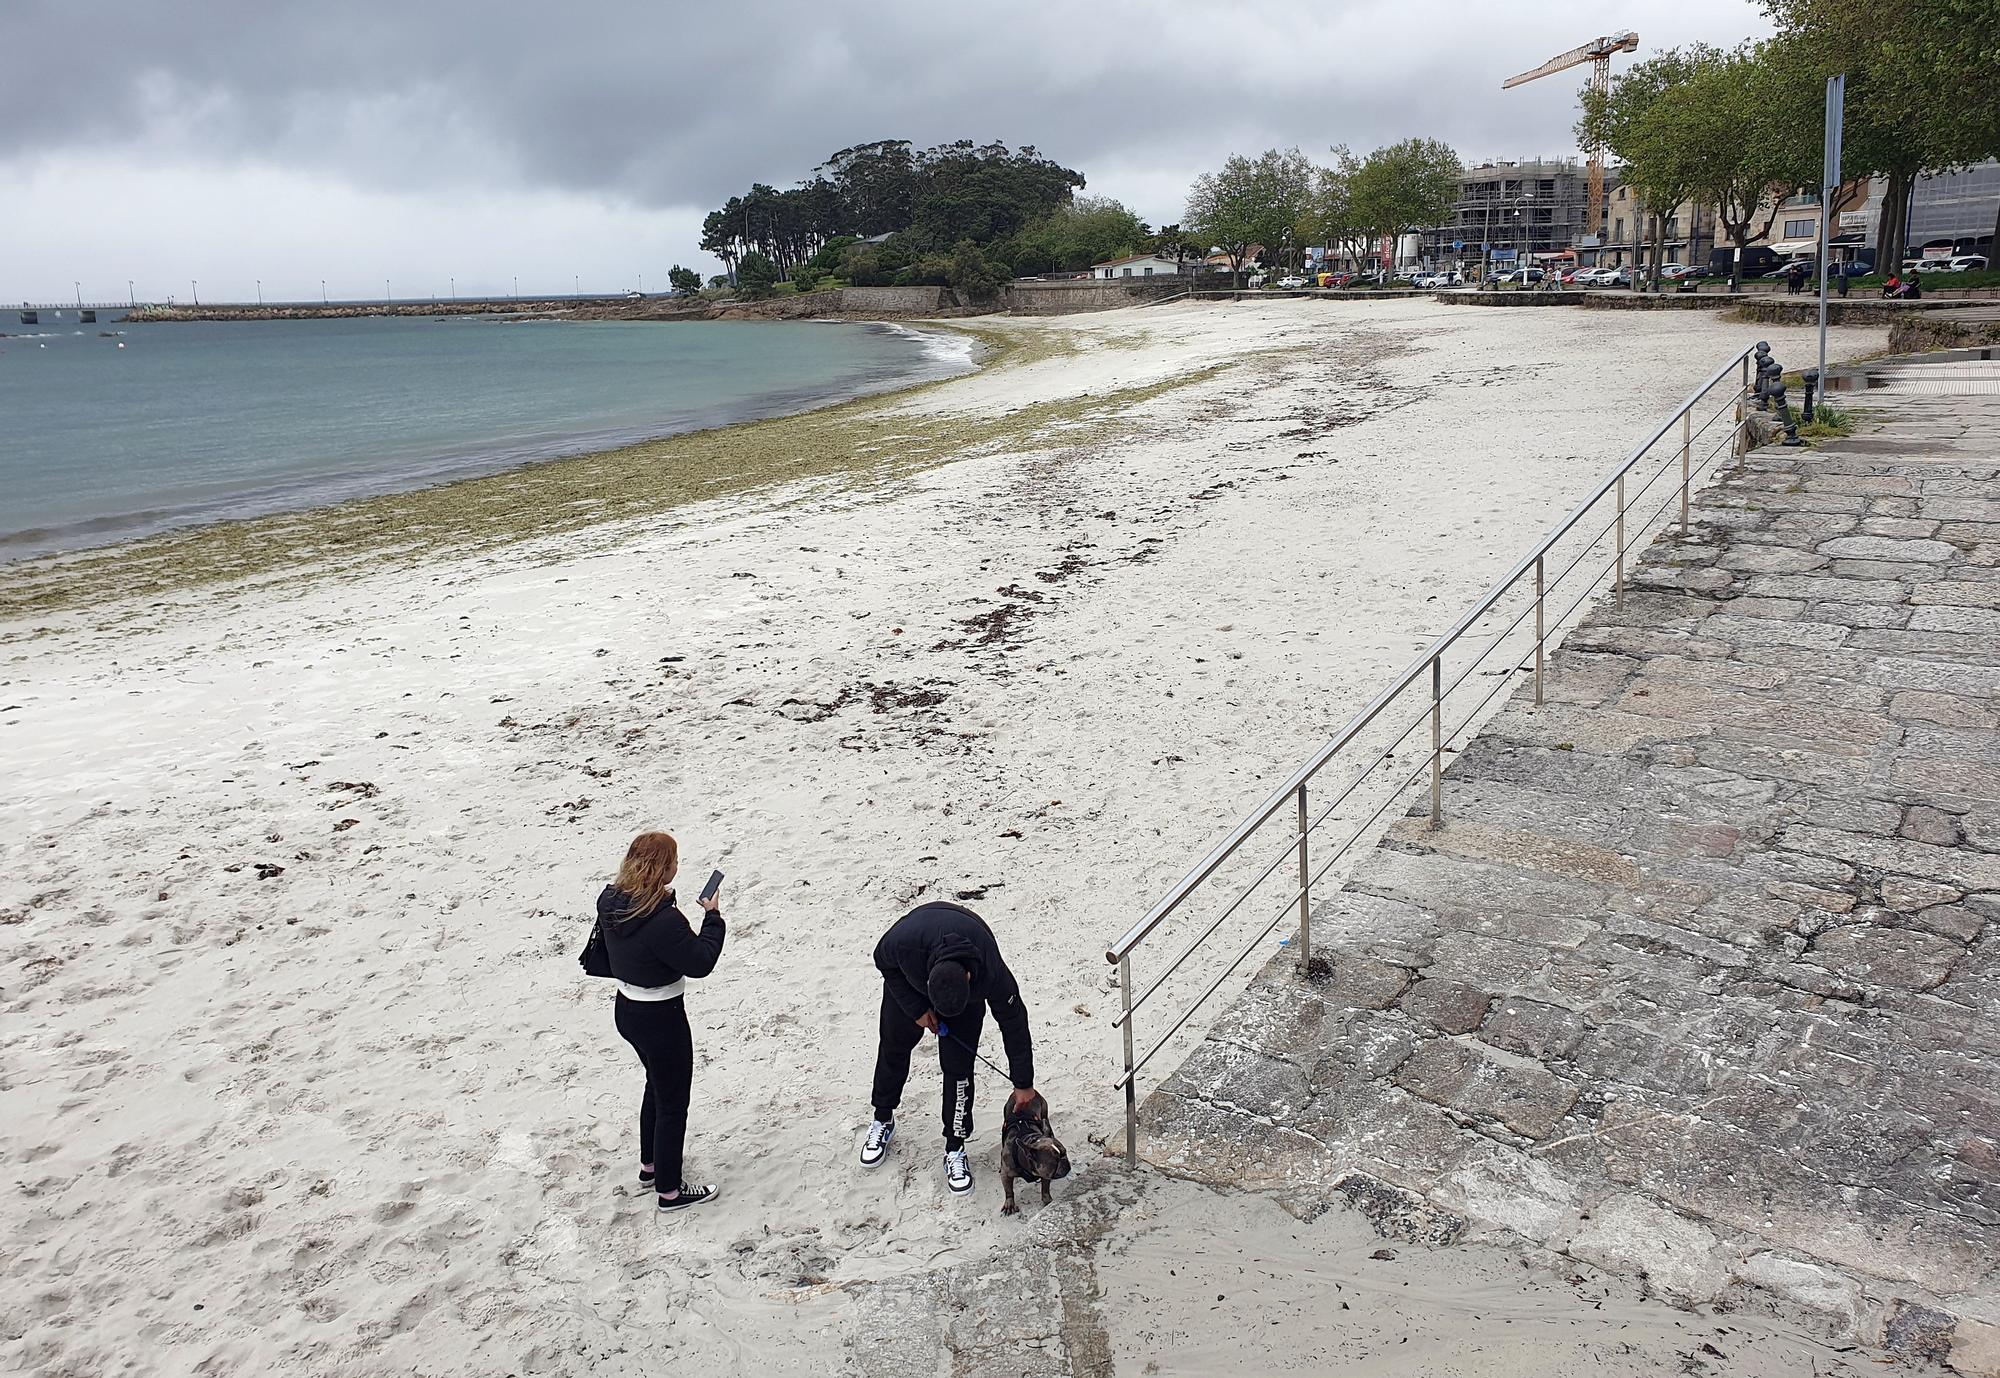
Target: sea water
117, 429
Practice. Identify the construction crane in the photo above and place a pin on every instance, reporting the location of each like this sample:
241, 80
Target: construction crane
1598, 53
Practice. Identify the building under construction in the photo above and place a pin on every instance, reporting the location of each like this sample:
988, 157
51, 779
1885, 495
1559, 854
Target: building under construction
1522, 210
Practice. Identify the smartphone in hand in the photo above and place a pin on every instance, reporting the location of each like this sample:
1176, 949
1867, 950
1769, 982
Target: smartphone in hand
714, 884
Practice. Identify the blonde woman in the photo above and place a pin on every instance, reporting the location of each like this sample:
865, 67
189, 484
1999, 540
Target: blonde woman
653, 953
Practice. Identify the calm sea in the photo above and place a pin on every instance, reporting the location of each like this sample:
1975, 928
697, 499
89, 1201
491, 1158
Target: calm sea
201, 422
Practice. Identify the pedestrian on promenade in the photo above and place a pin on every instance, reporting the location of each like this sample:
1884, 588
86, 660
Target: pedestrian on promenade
941, 970
653, 953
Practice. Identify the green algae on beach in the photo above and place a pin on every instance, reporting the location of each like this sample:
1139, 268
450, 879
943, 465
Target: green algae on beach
857, 443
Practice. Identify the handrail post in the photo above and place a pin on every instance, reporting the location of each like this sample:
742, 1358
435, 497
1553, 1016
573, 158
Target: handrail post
1687, 444
1437, 740
1618, 554
1305, 889
1131, 1077
1540, 635
1737, 447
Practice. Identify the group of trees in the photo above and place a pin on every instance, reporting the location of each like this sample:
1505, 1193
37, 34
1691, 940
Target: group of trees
1283, 202
963, 214
1741, 130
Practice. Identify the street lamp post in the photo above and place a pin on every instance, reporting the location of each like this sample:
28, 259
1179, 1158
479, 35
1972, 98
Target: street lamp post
387, 295
194, 290
131, 297
79, 293
260, 291
322, 291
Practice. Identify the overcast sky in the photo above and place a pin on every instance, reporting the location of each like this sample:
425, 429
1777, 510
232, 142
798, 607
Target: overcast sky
419, 141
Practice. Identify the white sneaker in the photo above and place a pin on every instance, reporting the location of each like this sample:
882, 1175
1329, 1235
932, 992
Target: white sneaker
957, 1172
874, 1148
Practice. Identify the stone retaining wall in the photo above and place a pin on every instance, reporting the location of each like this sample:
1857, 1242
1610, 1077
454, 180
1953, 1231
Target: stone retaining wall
1089, 294
893, 301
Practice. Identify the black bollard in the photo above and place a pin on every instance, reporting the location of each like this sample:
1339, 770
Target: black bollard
1811, 380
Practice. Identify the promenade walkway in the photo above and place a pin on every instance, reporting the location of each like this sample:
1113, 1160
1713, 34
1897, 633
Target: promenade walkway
1699, 978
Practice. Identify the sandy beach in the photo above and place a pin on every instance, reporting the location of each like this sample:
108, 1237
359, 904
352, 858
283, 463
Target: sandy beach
301, 1075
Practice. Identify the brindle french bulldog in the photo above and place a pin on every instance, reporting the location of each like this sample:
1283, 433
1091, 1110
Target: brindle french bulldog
1030, 1149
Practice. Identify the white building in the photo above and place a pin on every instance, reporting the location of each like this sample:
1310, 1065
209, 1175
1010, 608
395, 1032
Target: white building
1137, 266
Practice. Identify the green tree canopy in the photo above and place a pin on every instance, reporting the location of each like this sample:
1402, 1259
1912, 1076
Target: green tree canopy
1923, 89
1737, 130
1252, 202
683, 279
1330, 220
930, 199
756, 275
1086, 231
1403, 187
1634, 118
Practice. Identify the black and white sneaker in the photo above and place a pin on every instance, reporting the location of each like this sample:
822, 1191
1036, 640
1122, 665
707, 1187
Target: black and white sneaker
646, 1177
689, 1196
957, 1171
874, 1148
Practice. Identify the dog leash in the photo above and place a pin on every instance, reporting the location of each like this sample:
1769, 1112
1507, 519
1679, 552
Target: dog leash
944, 1031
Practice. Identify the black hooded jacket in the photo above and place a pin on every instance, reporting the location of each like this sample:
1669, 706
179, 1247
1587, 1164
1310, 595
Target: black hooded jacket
660, 948
939, 932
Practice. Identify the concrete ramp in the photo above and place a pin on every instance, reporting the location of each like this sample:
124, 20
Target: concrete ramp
1699, 977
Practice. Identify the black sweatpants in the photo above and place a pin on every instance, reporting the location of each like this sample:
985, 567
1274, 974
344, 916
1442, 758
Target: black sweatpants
900, 1036
658, 1032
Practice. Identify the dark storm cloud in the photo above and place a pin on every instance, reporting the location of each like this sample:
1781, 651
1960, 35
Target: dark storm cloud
676, 105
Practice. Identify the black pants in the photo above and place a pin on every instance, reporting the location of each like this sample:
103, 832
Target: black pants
658, 1032
900, 1035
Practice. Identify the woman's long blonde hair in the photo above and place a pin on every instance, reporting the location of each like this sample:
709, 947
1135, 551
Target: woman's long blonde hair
647, 872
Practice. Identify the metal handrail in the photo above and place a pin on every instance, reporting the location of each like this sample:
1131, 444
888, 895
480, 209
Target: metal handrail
1431, 662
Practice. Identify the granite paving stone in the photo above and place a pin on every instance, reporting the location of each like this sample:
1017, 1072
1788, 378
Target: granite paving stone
1700, 976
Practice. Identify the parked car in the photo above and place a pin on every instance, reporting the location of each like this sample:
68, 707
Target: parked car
1291, 282
1934, 265
1521, 276
1967, 263
1340, 279
1674, 272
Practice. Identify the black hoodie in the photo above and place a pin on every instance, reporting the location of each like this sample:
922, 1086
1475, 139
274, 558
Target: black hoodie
939, 932
660, 948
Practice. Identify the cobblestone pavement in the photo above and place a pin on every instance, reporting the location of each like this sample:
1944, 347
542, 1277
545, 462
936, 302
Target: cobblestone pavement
1699, 979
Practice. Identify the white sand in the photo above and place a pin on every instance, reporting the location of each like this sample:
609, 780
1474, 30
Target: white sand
366, 1116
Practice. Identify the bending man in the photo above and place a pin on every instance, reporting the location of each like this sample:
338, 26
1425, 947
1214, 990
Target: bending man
941, 968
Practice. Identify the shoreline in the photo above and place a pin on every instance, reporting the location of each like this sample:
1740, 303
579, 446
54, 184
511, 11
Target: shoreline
933, 362
729, 459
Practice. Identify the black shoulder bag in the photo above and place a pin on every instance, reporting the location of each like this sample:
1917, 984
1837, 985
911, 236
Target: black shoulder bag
595, 957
